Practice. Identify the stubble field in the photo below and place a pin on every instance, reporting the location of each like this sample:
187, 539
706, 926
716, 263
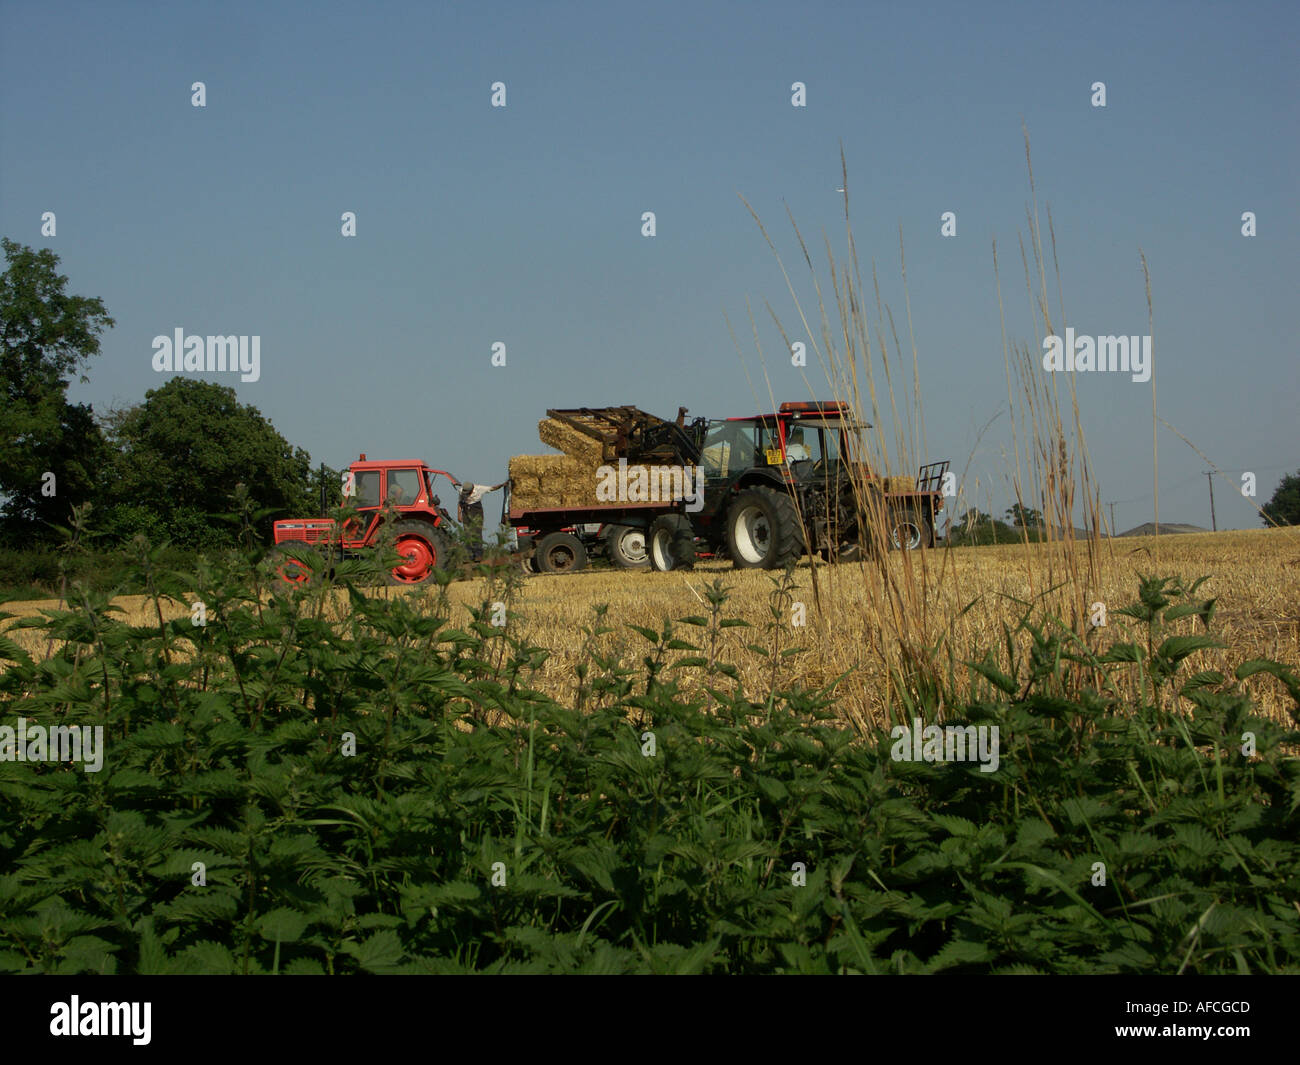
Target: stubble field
838, 622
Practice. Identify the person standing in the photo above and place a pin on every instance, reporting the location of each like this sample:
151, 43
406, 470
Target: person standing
470, 511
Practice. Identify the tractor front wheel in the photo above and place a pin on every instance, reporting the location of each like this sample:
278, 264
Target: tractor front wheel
763, 529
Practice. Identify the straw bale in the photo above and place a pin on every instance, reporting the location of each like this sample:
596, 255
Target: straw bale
572, 442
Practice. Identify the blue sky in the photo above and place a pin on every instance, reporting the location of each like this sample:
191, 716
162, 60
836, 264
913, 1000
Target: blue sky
523, 224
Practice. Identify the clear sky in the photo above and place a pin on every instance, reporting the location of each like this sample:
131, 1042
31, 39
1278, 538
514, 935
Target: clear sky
523, 224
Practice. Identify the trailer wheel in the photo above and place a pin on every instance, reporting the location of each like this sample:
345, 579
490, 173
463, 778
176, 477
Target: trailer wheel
672, 543
560, 552
763, 529
423, 550
626, 547
910, 529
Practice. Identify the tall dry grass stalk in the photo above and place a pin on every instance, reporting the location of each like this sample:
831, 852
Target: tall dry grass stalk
1050, 470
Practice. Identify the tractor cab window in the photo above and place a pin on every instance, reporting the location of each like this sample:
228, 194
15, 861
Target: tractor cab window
802, 444
403, 487
728, 447
813, 438
368, 488
769, 445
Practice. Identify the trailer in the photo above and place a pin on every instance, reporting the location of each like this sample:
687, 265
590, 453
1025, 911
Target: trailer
771, 487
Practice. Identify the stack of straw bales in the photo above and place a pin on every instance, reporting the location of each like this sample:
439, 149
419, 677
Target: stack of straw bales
542, 482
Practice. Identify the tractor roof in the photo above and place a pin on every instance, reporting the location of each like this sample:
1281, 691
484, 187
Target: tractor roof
377, 464
380, 464
830, 409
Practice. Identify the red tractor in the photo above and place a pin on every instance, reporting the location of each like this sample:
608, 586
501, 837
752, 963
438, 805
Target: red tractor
421, 526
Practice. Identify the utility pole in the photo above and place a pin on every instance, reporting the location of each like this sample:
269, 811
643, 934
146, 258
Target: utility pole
1209, 475
1112, 518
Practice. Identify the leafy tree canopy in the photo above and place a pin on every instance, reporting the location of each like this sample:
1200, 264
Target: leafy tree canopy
1284, 507
46, 336
1024, 517
182, 451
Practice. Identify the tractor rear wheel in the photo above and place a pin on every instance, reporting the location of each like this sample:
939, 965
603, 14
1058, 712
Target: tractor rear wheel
288, 569
910, 529
626, 547
672, 543
423, 549
763, 529
560, 552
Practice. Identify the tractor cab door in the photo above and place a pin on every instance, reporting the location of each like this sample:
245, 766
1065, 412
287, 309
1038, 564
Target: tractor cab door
404, 488
367, 494
435, 500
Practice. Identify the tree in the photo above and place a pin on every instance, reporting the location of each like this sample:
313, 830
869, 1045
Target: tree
46, 336
1284, 507
1024, 517
181, 453
975, 527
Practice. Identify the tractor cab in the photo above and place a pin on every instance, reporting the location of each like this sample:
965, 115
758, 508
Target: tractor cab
796, 442
409, 487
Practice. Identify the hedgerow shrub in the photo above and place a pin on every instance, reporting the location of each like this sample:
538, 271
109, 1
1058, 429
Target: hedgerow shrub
389, 794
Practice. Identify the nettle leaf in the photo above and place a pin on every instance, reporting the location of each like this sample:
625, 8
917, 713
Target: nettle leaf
995, 676
956, 826
206, 959
11, 961
598, 862
1273, 669
13, 652
1122, 652
1176, 648
379, 953
1195, 840
773, 790
282, 925
87, 954
957, 952
1085, 810
1204, 611
671, 958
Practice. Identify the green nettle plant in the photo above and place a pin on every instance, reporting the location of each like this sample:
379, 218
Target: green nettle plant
286, 792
